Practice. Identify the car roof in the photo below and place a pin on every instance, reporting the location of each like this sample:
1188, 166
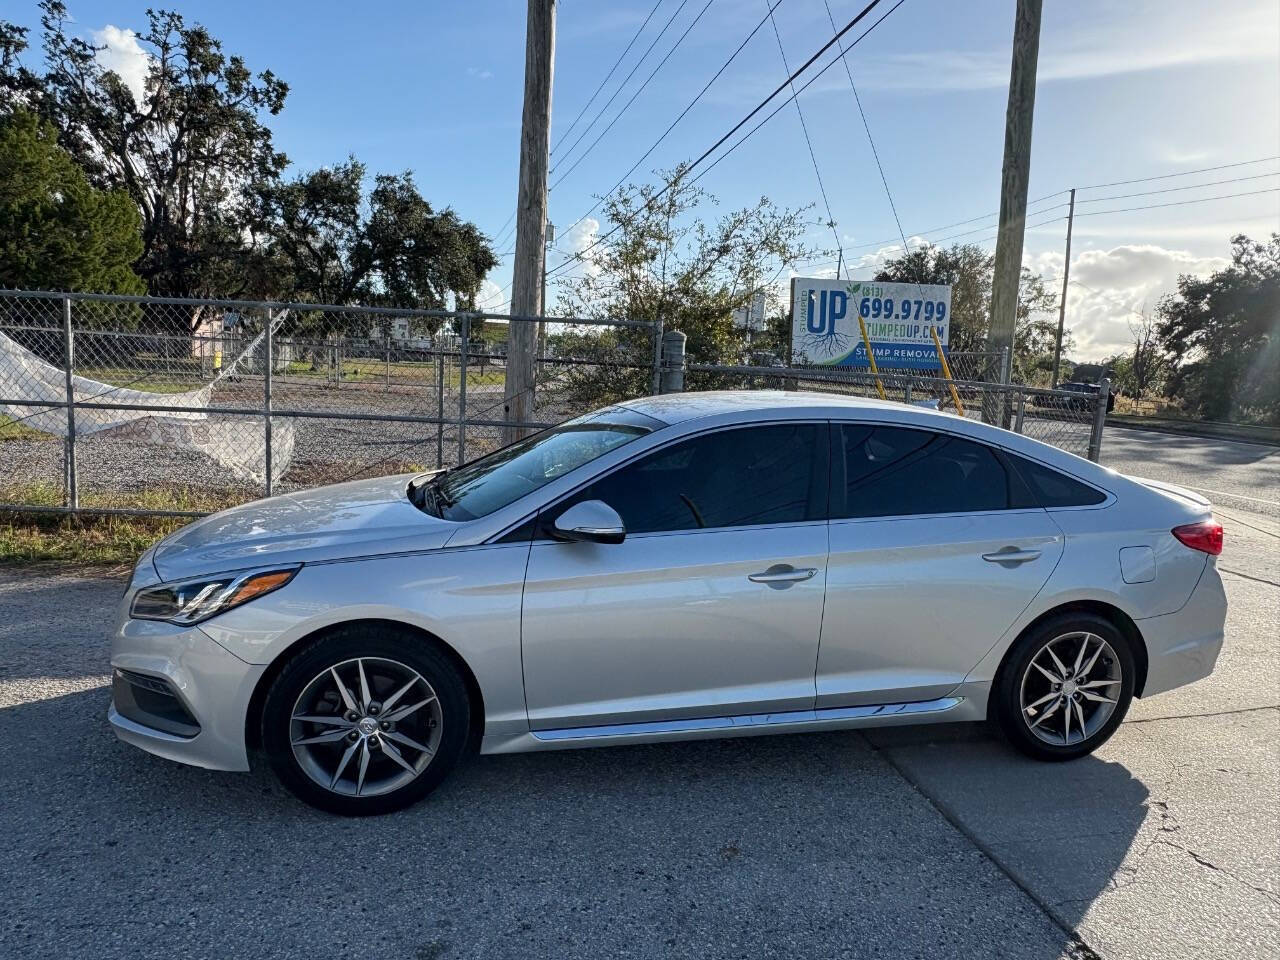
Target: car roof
692, 411
673, 408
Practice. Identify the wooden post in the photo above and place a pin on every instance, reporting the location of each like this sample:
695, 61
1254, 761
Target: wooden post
1062, 304
531, 215
1013, 181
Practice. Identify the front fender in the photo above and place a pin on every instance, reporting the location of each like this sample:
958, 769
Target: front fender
469, 597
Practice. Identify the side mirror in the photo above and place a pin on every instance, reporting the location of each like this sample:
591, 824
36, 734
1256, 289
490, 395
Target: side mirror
593, 521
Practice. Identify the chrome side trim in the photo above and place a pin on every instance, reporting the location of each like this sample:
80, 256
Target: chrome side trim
941, 705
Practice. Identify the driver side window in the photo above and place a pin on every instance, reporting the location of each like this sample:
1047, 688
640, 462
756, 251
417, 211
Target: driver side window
739, 477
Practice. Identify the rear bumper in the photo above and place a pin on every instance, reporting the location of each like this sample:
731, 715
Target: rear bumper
211, 684
1183, 647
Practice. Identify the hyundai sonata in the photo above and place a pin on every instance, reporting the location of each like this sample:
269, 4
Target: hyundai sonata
693, 565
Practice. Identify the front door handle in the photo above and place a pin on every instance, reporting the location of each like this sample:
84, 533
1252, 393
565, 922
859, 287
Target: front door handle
1011, 556
783, 573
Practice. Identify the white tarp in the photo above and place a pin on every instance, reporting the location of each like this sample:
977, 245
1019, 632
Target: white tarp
232, 442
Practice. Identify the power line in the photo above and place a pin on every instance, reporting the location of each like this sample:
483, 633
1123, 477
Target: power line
692, 103
502, 231
831, 220
1179, 203
786, 83
1184, 173
627, 79
687, 168
1030, 226
622, 56
747, 136
1192, 186
961, 223
848, 72
661, 63
986, 227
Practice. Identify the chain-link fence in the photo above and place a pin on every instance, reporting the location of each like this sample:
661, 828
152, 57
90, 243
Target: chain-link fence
185, 406
168, 406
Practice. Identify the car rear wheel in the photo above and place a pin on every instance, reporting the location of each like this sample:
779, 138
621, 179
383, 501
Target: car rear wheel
1065, 686
366, 720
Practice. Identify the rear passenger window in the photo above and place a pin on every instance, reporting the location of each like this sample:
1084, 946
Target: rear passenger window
1049, 488
894, 471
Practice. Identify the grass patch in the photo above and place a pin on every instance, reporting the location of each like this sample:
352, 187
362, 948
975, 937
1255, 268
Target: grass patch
98, 540
11, 429
149, 381
372, 370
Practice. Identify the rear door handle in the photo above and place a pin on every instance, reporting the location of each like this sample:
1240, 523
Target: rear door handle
782, 573
1011, 556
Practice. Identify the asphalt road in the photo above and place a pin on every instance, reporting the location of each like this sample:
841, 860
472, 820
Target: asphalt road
921, 842
1233, 475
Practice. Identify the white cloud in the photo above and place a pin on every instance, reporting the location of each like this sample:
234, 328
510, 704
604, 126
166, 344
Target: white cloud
124, 55
1108, 287
479, 73
491, 295
578, 240
1126, 38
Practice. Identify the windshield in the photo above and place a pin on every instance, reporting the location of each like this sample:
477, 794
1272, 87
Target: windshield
492, 482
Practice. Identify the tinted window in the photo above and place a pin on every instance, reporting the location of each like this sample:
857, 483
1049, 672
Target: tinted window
1049, 488
731, 478
891, 471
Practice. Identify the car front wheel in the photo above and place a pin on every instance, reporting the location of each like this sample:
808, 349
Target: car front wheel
1065, 687
365, 720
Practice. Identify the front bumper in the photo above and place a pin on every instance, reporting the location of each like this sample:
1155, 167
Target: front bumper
1183, 647
212, 686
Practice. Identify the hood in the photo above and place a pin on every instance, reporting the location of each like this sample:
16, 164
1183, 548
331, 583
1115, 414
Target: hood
362, 518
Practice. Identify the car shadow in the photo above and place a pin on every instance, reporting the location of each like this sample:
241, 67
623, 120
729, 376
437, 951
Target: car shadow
771, 846
1062, 831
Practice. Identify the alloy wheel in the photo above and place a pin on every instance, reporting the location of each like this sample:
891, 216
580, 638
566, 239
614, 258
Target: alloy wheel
366, 726
1070, 688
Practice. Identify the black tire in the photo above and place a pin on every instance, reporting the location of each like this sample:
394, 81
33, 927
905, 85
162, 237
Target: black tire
374, 644
1006, 706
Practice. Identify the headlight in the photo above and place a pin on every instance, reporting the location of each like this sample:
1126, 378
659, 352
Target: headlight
194, 600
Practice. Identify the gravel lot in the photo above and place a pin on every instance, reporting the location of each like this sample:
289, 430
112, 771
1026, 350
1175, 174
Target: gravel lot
921, 842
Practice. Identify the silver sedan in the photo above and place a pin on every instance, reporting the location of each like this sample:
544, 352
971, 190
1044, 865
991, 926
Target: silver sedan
697, 565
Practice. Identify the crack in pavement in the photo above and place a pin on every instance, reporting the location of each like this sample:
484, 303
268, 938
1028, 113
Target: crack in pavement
1237, 573
1169, 823
1197, 716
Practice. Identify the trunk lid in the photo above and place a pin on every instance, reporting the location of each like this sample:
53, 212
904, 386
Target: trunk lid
1180, 495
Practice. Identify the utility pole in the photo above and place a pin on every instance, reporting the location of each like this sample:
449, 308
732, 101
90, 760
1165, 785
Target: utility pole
1013, 181
1066, 276
531, 214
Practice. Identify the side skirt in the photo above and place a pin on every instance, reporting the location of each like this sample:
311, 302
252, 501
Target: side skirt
792, 721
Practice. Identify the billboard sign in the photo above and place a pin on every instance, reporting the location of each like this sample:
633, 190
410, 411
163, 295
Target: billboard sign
898, 318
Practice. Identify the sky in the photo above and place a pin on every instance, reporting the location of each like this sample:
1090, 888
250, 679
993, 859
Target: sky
1141, 89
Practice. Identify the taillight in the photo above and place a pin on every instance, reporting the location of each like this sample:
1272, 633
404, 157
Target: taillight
1205, 536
